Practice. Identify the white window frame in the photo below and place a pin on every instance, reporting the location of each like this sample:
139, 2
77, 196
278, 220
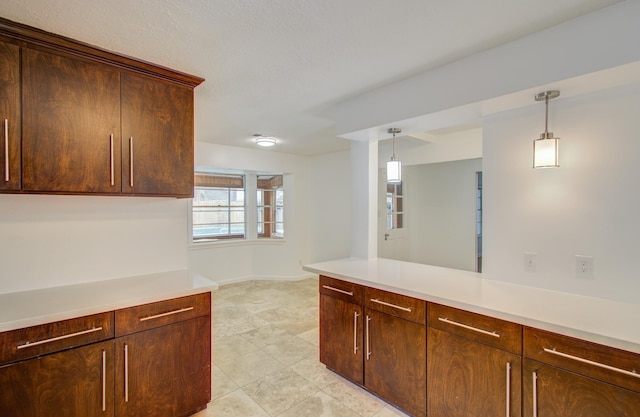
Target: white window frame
251, 218
228, 183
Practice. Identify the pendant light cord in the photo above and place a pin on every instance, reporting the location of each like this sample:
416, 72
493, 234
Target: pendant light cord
393, 147
546, 116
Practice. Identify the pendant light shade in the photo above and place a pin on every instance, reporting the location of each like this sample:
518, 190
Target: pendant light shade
545, 149
394, 167
545, 152
394, 171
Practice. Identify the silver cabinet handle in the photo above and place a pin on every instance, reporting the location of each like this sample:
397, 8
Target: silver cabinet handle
104, 380
53, 339
355, 332
633, 373
182, 310
508, 389
126, 373
131, 162
6, 150
338, 290
112, 159
368, 347
535, 394
464, 326
375, 300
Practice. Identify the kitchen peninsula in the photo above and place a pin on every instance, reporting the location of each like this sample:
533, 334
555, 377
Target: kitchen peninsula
491, 346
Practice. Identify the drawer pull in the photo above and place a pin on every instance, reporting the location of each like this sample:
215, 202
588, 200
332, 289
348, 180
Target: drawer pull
368, 346
407, 309
131, 162
598, 364
104, 381
535, 394
508, 389
112, 161
338, 290
54, 339
126, 373
464, 326
182, 310
6, 150
355, 332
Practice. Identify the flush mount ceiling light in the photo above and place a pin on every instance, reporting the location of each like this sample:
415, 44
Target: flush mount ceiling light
394, 167
545, 149
265, 141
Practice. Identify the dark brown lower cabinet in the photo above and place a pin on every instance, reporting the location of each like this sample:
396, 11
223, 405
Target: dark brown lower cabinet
553, 392
376, 339
568, 377
466, 378
165, 371
438, 361
395, 361
148, 360
71, 383
341, 335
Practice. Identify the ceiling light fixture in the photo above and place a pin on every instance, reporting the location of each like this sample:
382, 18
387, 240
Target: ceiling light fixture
265, 141
394, 167
545, 149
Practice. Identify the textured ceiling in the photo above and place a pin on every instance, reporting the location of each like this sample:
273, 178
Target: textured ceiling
275, 66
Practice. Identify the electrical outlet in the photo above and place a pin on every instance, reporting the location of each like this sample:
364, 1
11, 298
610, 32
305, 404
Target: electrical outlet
530, 262
584, 266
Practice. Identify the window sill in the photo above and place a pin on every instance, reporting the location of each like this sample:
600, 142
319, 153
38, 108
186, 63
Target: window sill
224, 243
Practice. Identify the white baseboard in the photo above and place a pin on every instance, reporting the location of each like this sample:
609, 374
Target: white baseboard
265, 278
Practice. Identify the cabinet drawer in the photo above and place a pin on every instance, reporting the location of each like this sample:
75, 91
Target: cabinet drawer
47, 338
600, 362
148, 316
344, 290
407, 308
477, 327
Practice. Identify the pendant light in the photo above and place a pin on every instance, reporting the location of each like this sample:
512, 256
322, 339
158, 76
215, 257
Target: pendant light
394, 167
545, 149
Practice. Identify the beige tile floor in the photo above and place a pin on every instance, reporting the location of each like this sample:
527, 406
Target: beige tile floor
265, 357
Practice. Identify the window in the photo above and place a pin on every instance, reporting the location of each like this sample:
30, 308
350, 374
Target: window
270, 204
395, 213
218, 207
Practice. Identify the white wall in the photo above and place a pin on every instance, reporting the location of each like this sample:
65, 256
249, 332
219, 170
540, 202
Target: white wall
308, 190
589, 206
330, 207
59, 240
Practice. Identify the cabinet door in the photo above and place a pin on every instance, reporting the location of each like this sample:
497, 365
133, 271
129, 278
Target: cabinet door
395, 361
71, 125
166, 371
553, 392
157, 131
10, 116
466, 378
341, 325
75, 382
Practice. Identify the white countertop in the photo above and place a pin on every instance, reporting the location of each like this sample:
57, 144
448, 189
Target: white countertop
30, 308
611, 323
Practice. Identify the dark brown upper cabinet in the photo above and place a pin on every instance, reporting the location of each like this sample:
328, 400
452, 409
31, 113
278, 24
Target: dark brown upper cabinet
10, 116
93, 122
157, 127
71, 125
